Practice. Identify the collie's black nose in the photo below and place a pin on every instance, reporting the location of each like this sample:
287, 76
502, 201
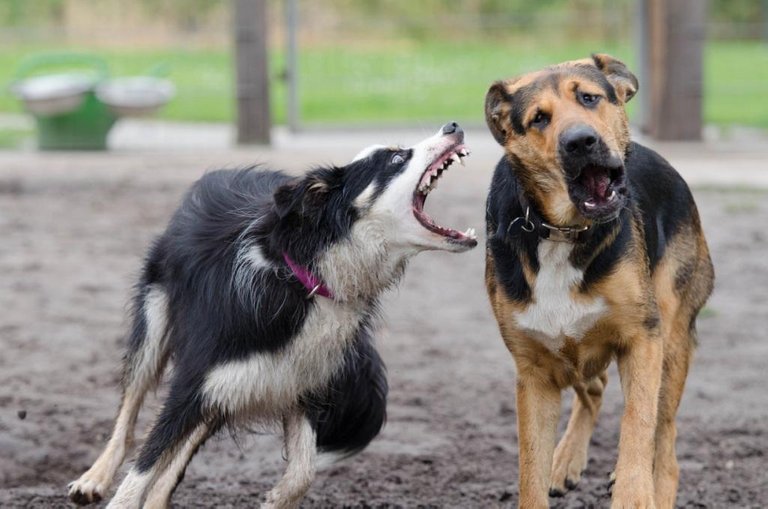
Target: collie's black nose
451, 128
580, 139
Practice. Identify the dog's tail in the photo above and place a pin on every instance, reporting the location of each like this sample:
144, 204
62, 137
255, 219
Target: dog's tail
353, 410
147, 350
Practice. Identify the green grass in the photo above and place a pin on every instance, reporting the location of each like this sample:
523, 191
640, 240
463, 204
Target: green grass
736, 83
409, 82
203, 79
421, 82
13, 138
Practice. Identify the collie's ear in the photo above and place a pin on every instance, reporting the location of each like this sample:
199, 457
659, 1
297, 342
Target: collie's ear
287, 199
618, 75
303, 196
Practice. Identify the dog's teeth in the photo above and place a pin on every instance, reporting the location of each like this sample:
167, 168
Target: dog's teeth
455, 158
613, 195
461, 159
590, 204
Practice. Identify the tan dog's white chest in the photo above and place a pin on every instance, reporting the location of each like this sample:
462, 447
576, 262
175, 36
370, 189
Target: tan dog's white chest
553, 313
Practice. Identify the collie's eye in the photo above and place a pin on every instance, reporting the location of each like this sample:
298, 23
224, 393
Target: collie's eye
398, 159
540, 121
589, 99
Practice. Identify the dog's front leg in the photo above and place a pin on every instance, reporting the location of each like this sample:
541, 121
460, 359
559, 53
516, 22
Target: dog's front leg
640, 367
301, 451
538, 410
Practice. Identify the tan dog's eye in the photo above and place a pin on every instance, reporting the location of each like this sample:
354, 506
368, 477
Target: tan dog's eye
588, 99
540, 121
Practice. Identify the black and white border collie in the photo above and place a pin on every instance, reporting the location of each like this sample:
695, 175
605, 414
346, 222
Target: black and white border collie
263, 291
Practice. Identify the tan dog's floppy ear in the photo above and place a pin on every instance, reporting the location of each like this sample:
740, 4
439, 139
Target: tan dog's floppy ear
618, 75
496, 111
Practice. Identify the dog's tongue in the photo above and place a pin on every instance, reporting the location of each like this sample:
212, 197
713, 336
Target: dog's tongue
597, 181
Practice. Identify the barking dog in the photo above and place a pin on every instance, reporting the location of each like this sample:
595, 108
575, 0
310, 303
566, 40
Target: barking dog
263, 291
595, 251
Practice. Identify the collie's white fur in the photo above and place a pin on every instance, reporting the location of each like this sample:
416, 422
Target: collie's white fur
150, 358
271, 383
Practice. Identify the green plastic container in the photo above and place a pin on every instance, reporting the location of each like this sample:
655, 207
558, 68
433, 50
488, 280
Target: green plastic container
84, 129
67, 117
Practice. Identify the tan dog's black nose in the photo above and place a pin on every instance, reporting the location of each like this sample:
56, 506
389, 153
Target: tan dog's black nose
579, 140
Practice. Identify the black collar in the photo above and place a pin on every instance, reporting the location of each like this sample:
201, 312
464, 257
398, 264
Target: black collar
531, 222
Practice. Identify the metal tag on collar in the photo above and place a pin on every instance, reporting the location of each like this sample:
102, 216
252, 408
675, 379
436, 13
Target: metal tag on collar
313, 291
564, 234
528, 225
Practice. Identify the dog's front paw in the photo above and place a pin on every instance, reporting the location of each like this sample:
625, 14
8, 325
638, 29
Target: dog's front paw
633, 502
87, 490
632, 490
277, 501
632, 498
567, 466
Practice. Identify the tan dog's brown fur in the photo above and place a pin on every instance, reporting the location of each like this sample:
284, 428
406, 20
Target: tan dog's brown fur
647, 329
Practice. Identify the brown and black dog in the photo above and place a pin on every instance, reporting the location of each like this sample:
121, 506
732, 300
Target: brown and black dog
595, 251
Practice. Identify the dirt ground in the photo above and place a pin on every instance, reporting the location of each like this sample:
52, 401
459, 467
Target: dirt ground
72, 232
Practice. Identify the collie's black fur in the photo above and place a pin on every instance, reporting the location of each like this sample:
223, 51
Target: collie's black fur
248, 339
194, 260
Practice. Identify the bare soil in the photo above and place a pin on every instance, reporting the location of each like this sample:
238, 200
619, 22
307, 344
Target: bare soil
73, 229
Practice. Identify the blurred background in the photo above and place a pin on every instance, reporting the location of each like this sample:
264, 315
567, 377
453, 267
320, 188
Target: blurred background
385, 63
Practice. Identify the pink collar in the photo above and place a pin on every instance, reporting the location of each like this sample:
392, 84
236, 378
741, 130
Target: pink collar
309, 280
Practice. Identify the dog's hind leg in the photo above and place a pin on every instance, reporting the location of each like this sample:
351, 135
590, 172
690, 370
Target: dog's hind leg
179, 430
301, 451
159, 495
678, 350
143, 364
681, 290
570, 458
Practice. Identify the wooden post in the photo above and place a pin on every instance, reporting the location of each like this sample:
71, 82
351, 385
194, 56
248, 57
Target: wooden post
673, 36
764, 17
642, 36
292, 63
253, 115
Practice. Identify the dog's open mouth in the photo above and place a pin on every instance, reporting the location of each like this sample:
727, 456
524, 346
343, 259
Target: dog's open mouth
428, 183
602, 190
